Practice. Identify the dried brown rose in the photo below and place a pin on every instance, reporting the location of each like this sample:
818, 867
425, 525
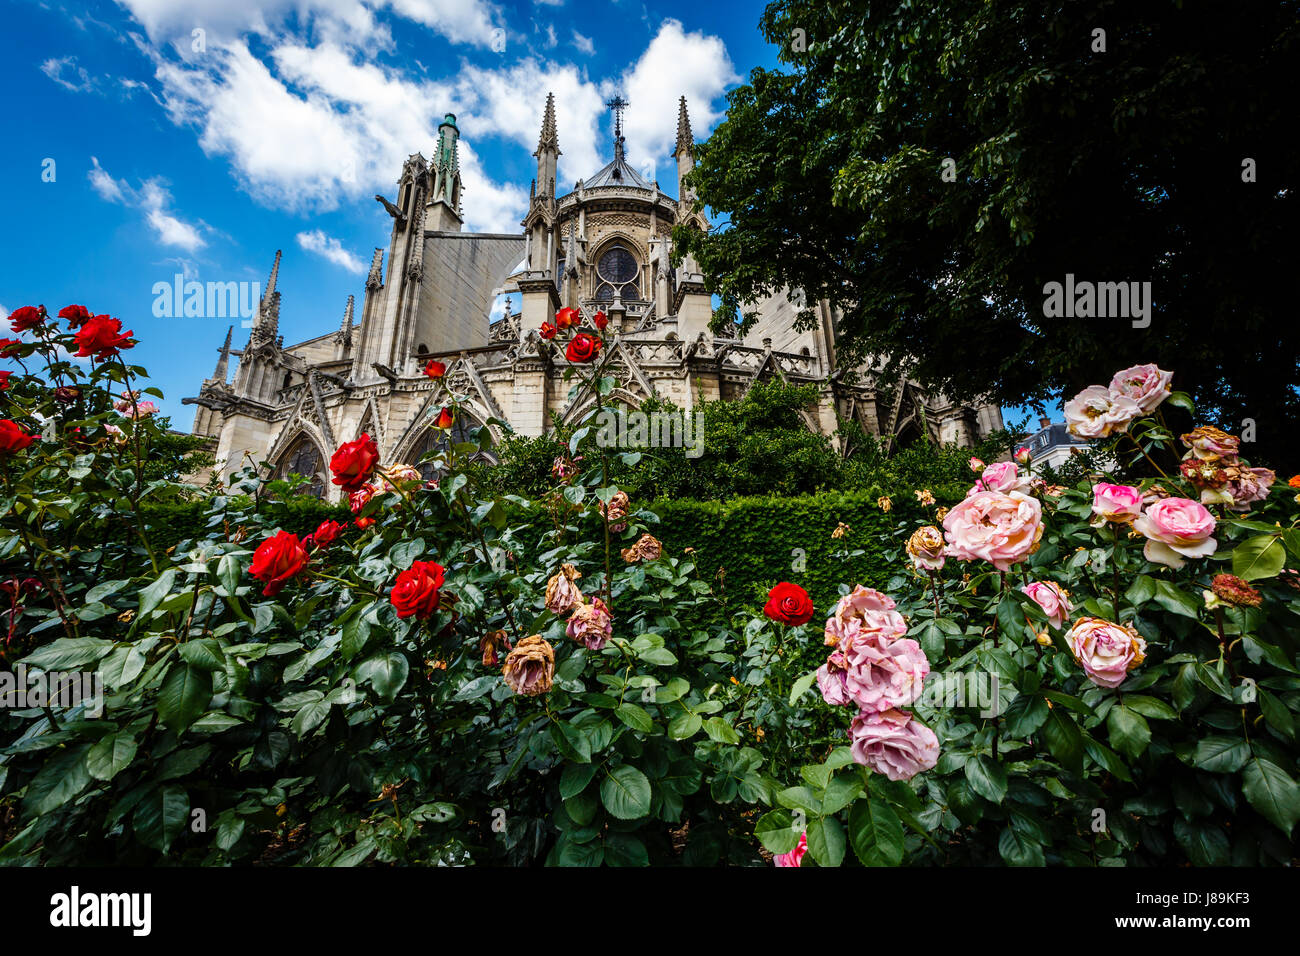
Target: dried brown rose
530, 668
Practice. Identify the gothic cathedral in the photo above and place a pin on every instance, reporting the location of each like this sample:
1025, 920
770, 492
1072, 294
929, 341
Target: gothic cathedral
606, 244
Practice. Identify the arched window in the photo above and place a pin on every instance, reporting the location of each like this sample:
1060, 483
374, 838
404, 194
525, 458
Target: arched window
616, 275
435, 439
302, 458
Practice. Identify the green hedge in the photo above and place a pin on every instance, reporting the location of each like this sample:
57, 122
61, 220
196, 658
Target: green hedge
758, 541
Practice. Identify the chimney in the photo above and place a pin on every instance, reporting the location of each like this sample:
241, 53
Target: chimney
1044, 421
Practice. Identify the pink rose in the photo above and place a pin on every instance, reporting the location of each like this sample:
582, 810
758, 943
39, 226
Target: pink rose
831, 678
1248, 485
1118, 503
893, 743
1106, 651
1002, 529
1023, 455
864, 613
1000, 476
1052, 598
1177, 528
590, 624
884, 677
976, 465
1146, 385
795, 856
1097, 413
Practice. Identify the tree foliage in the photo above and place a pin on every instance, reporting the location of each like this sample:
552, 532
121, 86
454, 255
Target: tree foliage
1122, 165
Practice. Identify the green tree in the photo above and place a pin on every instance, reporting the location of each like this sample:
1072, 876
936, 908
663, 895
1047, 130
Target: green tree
1127, 163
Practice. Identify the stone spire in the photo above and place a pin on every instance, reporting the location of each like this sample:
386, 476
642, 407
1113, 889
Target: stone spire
548, 151
345, 330
266, 327
685, 156
375, 279
442, 211
222, 371
685, 139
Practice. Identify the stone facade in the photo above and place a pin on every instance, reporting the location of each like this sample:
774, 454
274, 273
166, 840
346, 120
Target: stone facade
606, 244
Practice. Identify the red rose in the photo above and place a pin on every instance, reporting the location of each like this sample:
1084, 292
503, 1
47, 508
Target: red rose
566, 318
28, 317
547, 331
788, 604
435, 369
363, 523
75, 314
601, 320
354, 462
9, 347
324, 535
415, 593
101, 337
276, 560
582, 348
4, 380
445, 419
67, 393
12, 437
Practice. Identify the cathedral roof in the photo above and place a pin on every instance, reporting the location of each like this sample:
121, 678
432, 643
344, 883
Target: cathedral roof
617, 172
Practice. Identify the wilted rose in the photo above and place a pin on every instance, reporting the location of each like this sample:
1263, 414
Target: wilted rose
590, 624
647, 548
562, 595
1097, 413
530, 668
926, 547
1145, 385
893, 743
1106, 651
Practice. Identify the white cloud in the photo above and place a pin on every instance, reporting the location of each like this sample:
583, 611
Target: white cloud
153, 199
331, 249
64, 71
473, 22
584, 44
675, 64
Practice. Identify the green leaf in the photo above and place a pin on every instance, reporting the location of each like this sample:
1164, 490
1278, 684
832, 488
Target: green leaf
67, 653
161, 816
1150, 707
183, 696
775, 830
1176, 600
876, 833
625, 792
404, 553
111, 755
152, 596
229, 571
1276, 713
386, 672
718, 729
310, 717
840, 792
801, 686
571, 741
800, 798
1259, 557
635, 717
1064, 739
575, 778
1129, 731
1272, 792
122, 666
205, 653
987, 778
1018, 850
826, 841
1222, 754
1142, 589
1025, 715
62, 778
685, 726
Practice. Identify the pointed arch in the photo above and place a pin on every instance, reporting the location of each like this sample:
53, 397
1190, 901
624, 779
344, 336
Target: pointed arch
301, 450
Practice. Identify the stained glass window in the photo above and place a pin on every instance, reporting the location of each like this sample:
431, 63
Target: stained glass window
617, 272
303, 459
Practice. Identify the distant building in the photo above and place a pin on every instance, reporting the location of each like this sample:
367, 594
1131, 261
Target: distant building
1053, 445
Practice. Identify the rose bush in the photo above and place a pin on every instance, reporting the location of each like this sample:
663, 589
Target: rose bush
458, 676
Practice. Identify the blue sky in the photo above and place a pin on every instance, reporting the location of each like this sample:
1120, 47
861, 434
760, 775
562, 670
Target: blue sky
172, 151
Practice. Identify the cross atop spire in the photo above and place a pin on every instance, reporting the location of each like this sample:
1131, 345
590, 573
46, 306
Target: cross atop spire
685, 138
617, 105
548, 139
